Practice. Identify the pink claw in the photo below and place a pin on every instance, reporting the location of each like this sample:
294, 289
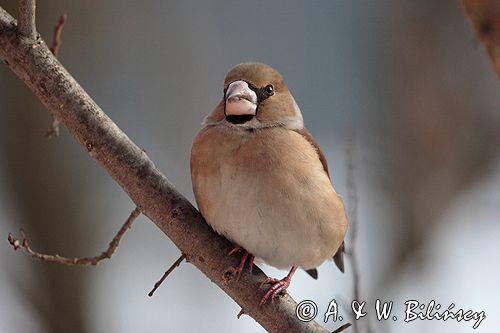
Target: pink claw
277, 286
243, 260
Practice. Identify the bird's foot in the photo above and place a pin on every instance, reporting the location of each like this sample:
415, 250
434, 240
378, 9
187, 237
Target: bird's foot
278, 286
246, 256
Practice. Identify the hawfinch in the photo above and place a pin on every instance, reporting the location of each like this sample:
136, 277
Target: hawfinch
261, 180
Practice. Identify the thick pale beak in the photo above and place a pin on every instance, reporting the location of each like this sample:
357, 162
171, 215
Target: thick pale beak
240, 100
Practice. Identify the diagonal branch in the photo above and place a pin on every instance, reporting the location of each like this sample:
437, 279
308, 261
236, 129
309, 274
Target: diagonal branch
342, 328
132, 169
166, 274
484, 16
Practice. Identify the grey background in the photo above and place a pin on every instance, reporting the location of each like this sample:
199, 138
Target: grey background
409, 78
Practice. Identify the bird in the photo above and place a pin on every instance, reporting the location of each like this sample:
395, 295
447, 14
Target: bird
262, 181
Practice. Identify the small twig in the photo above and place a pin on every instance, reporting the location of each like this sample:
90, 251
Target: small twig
167, 273
26, 20
353, 216
342, 328
241, 313
53, 130
56, 37
87, 261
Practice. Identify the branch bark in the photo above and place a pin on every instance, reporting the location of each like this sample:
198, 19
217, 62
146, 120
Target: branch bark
27, 27
53, 129
31, 60
484, 16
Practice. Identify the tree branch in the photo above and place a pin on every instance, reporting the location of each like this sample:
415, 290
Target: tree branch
26, 22
484, 16
53, 130
352, 199
342, 328
148, 188
86, 261
166, 274
56, 37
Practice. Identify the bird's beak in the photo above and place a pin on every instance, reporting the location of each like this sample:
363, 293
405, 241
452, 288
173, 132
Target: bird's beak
240, 100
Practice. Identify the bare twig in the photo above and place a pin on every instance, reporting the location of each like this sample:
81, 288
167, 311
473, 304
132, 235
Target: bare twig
167, 273
352, 197
56, 37
241, 313
141, 180
87, 261
26, 22
342, 328
53, 130
484, 16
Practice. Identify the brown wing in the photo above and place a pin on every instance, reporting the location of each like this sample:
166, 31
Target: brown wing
338, 258
305, 133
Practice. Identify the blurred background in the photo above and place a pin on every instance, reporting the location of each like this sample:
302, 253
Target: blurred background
408, 77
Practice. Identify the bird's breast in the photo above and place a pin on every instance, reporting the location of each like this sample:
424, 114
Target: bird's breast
267, 191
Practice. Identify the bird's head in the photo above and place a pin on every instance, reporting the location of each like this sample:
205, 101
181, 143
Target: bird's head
255, 96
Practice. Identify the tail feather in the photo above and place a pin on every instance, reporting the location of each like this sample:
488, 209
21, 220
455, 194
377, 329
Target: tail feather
313, 273
338, 258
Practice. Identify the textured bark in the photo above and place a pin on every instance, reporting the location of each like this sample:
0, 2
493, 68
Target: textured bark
31, 60
27, 26
485, 18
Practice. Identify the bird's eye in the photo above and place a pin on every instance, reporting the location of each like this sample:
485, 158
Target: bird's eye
269, 89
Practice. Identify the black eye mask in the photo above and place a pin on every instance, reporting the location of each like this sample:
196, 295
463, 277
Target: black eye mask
262, 93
